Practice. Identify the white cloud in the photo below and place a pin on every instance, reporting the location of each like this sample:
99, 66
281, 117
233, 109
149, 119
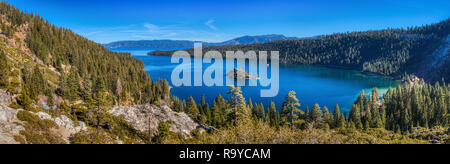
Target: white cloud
210, 24
150, 31
152, 27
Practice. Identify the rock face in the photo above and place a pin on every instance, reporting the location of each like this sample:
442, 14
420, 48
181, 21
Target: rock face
8, 119
9, 128
68, 126
143, 116
5, 98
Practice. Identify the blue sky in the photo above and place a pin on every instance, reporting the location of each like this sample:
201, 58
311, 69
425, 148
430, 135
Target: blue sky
210, 20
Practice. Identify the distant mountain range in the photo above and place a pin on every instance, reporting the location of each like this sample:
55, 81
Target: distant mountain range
422, 51
185, 44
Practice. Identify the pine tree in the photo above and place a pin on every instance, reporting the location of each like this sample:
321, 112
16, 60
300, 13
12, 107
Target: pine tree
358, 108
24, 100
205, 111
50, 98
164, 133
102, 104
38, 80
355, 116
342, 122
238, 104
119, 91
316, 115
262, 112
250, 105
4, 69
272, 115
307, 115
208, 114
328, 117
192, 109
73, 84
254, 110
337, 117
292, 103
219, 112
166, 89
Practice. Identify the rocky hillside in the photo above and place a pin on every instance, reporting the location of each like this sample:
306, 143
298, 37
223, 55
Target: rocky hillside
8, 117
144, 116
12, 128
55, 87
8, 126
53, 63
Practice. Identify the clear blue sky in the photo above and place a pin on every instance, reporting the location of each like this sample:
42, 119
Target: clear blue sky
210, 20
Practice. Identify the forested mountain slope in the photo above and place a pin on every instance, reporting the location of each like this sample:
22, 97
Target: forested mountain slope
423, 51
51, 78
42, 61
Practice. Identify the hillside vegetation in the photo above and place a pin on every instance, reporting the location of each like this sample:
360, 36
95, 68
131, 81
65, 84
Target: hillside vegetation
51, 74
49, 69
45, 60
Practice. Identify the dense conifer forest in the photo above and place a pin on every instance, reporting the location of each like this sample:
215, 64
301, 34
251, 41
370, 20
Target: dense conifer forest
390, 52
83, 67
417, 113
81, 79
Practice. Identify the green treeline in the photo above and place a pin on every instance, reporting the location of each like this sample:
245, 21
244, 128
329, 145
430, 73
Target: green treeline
403, 108
391, 52
83, 67
70, 68
407, 110
399, 110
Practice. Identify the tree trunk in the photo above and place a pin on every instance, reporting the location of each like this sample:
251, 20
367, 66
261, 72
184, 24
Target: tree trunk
149, 128
235, 111
292, 119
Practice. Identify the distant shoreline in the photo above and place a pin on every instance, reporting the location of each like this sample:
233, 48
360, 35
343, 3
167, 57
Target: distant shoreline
319, 65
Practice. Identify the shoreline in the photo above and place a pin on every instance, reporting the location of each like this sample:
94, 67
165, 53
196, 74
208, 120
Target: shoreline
327, 66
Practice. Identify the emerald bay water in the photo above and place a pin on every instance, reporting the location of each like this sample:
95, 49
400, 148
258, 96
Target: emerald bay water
322, 85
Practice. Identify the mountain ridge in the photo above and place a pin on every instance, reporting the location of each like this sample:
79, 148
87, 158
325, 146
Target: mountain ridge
185, 44
389, 52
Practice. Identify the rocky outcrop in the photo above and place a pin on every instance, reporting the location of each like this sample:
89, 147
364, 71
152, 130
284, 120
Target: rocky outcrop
143, 117
5, 97
67, 127
10, 125
8, 120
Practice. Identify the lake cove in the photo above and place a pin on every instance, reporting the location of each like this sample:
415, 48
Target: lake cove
313, 84
191, 70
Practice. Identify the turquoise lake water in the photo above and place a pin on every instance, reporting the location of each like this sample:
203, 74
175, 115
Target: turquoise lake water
313, 84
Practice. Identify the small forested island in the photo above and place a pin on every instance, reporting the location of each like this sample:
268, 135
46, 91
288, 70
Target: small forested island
241, 74
422, 51
57, 87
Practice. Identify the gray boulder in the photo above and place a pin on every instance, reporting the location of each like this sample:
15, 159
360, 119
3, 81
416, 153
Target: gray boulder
145, 117
8, 126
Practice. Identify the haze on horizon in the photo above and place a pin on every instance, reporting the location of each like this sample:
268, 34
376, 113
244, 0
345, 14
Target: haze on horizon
105, 21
